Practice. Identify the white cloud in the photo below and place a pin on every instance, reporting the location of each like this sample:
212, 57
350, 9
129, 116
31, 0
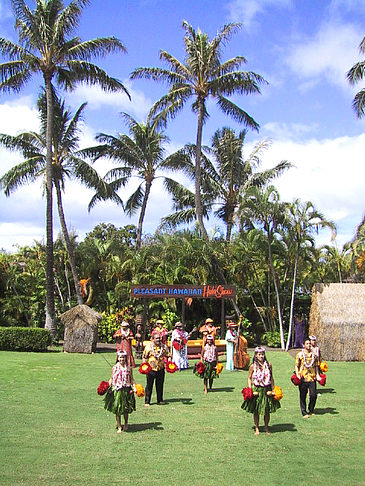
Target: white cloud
96, 98
18, 115
247, 11
327, 56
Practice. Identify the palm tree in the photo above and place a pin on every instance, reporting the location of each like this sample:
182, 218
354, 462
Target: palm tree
264, 207
202, 76
301, 221
225, 182
66, 164
356, 74
47, 48
141, 155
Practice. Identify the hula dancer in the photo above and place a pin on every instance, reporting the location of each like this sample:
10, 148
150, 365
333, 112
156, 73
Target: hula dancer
120, 398
261, 380
307, 370
209, 360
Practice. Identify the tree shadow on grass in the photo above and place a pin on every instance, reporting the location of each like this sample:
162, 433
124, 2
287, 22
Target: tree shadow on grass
184, 401
274, 429
228, 389
140, 427
326, 390
323, 411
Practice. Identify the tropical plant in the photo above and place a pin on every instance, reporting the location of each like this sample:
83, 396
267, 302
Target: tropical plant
140, 155
46, 47
202, 76
66, 163
356, 74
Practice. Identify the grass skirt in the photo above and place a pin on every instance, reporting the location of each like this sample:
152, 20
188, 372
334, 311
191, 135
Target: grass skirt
120, 401
261, 404
209, 372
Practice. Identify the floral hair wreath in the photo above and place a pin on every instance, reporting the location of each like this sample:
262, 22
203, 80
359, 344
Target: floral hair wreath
259, 349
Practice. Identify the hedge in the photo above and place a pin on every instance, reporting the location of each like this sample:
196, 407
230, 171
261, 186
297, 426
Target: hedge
24, 339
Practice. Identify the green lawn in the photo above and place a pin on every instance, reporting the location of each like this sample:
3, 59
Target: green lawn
54, 429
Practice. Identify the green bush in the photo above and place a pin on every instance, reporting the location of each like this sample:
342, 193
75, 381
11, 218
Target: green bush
272, 339
24, 339
107, 327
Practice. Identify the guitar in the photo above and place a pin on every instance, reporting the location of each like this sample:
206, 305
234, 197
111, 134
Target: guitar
179, 343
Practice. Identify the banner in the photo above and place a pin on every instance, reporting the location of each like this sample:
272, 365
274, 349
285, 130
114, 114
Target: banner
183, 291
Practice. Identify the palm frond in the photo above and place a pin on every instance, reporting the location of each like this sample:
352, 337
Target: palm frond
237, 113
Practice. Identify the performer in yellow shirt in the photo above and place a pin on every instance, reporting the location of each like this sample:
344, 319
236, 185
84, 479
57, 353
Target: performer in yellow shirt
154, 354
307, 370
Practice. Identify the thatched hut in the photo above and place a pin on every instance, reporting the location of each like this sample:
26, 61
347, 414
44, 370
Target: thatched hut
81, 329
337, 319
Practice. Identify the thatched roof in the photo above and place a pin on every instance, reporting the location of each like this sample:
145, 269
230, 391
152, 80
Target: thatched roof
80, 313
337, 318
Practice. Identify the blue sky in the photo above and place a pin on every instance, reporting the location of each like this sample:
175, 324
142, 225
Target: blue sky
302, 48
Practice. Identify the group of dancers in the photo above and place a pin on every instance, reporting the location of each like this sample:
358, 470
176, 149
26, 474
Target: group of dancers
120, 398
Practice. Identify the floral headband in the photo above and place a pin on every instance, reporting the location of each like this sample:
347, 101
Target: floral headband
259, 349
313, 338
121, 354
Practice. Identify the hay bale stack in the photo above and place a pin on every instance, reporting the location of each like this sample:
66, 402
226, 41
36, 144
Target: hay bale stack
81, 329
337, 319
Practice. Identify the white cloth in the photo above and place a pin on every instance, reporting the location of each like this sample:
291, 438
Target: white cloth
180, 358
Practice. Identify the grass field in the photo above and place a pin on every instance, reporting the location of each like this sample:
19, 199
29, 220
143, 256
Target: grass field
55, 431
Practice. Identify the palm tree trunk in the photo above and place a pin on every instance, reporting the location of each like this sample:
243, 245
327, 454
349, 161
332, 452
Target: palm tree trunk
276, 292
198, 203
292, 299
66, 236
142, 214
50, 286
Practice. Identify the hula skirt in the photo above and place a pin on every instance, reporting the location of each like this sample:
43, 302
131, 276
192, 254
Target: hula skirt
120, 401
209, 372
261, 404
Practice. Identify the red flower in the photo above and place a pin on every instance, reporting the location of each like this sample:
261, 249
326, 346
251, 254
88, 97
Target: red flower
322, 381
171, 367
144, 369
103, 388
200, 367
247, 394
295, 380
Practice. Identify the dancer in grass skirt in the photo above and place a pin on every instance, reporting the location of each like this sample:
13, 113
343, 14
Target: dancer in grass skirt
260, 379
209, 360
120, 399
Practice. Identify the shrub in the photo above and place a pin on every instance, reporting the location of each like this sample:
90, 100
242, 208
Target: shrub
107, 327
272, 339
24, 339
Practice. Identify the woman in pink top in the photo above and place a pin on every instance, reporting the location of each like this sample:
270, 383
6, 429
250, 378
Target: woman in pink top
120, 399
260, 379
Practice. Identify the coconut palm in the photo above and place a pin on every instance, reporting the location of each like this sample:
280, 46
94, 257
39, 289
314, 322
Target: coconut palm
224, 182
46, 47
301, 221
264, 207
203, 75
356, 74
66, 163
140, 154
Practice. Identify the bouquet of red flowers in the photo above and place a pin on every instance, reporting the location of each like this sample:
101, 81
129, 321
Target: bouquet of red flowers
103, 387
144, 368
171, 367
247, 394
200, 367
322, 381
295, 380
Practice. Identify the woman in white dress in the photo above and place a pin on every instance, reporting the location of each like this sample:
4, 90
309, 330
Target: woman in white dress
231, 340
179, 339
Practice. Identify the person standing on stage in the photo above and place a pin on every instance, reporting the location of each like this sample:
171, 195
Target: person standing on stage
231, 341
307, 370
208, 329
124, 337
154, 354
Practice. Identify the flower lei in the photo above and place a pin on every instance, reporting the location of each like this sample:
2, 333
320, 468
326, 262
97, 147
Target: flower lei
305, 360
157, 356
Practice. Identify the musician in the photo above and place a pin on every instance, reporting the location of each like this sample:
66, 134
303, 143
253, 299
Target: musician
231, 341
179, 340
123, 337
160, 328
208, 329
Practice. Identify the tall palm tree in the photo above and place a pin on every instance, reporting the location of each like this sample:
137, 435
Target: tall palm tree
66, 163
264, 207
140, 154
301, 221
46, 47
225, 180
356, 74
203, 75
